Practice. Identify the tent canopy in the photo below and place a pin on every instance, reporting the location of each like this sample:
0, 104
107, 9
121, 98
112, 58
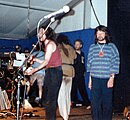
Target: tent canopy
19, 17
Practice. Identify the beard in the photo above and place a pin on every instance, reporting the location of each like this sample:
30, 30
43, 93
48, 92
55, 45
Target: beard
100, 38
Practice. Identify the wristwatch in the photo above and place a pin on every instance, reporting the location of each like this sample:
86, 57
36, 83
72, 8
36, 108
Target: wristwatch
112, 75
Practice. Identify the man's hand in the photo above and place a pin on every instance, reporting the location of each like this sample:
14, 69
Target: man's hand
110, 82
90, 83
29, 71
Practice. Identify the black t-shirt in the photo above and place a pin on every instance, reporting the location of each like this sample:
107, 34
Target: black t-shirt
79, 64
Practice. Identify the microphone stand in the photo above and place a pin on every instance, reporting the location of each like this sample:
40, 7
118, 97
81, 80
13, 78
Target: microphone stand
18, 72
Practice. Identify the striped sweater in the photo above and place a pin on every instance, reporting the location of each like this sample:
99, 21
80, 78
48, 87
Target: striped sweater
103, 67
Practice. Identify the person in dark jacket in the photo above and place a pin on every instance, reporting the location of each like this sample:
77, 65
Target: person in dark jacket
79, 79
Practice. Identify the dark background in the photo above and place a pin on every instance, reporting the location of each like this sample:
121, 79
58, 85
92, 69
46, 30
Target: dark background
119, 25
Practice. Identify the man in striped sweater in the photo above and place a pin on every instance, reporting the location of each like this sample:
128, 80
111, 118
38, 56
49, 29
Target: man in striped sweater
102, 64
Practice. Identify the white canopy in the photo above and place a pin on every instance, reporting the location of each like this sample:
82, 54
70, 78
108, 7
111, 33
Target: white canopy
18, 18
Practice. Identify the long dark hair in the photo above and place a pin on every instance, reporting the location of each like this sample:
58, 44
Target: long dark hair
50, 33
103, 29
63, 39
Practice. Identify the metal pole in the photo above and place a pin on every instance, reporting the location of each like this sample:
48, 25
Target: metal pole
18, 98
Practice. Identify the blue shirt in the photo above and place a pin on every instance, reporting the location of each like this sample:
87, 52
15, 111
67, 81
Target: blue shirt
40, 56
103, 67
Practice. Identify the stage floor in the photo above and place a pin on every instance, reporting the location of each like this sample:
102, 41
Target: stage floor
78, 113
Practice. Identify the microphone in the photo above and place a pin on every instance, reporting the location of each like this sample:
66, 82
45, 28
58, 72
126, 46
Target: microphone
58, 13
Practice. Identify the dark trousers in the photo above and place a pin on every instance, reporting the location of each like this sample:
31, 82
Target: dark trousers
52, 83
101, 100
78, 83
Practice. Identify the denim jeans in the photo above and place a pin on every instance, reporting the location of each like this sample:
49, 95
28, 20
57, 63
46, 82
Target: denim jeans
52, 83
101, 100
